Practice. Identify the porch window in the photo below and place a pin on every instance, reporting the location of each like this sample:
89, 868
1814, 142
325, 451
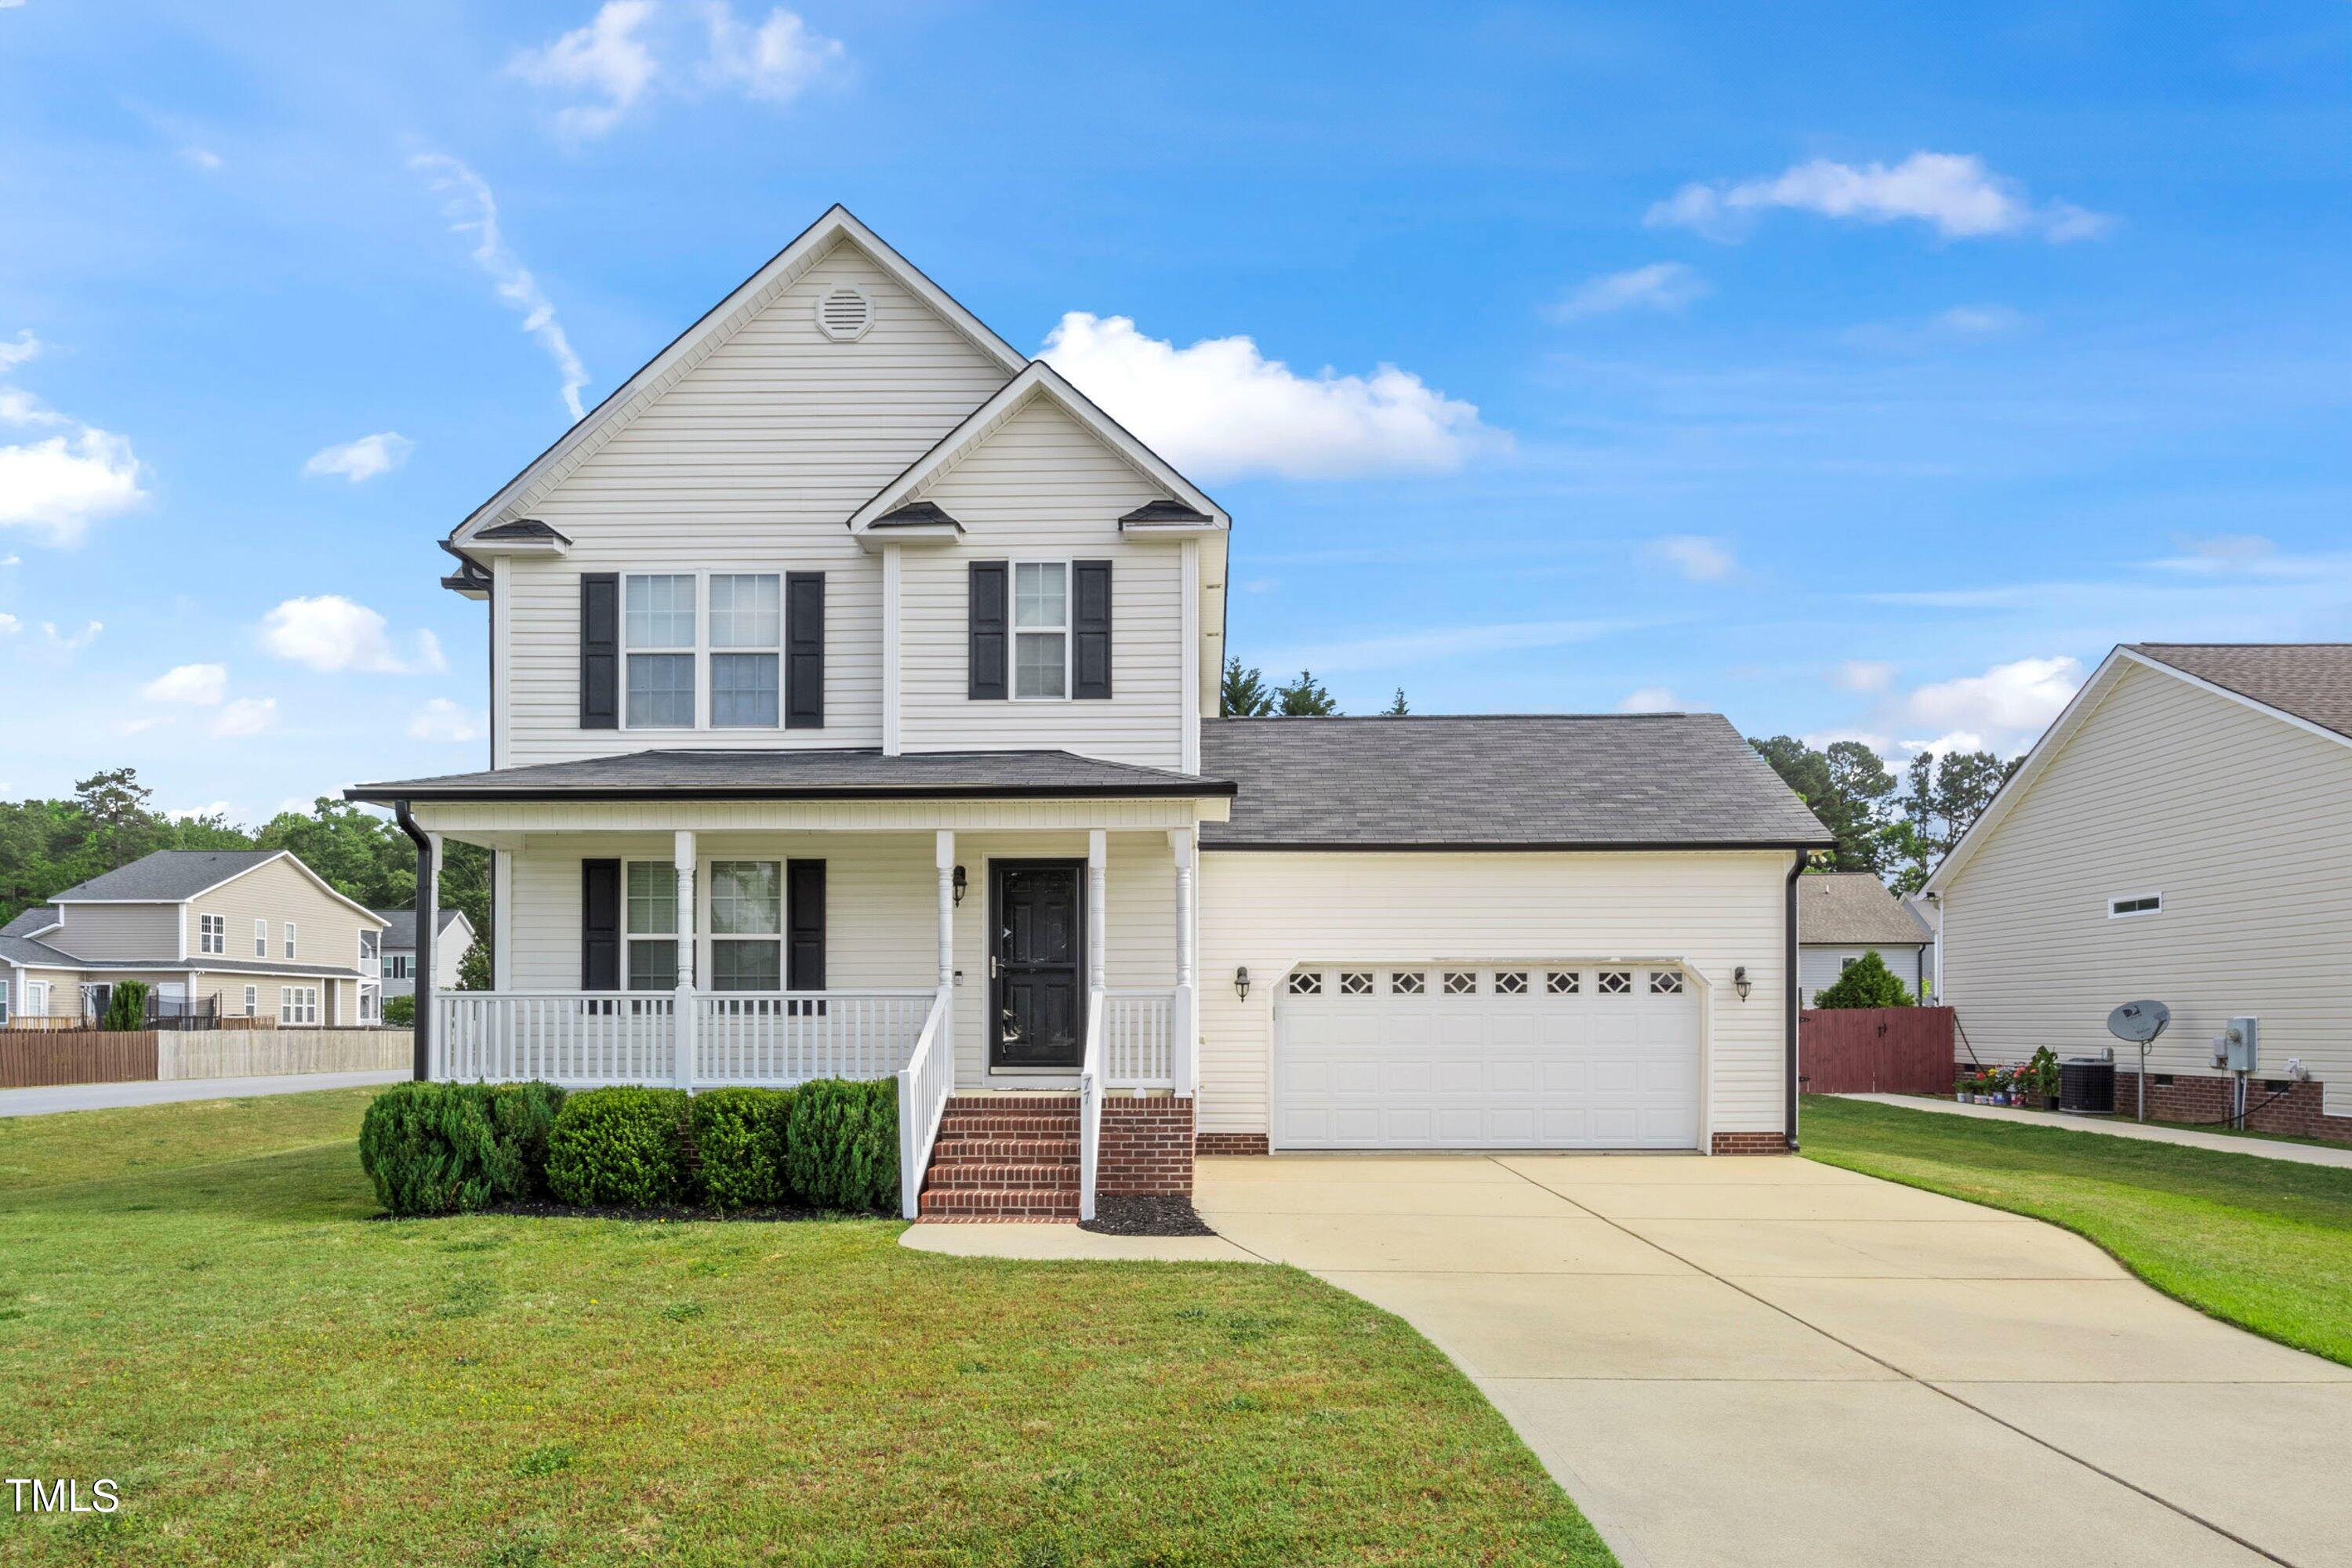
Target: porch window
657, 614
1040, 628
652, 926
747, 633
747, 925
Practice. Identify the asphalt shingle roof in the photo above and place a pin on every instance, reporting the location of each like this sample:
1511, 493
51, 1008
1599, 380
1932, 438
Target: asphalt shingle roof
2310, 681
1596, 781
832, 774
400, 927
25, 950
39, 917
169, 875
1849, 909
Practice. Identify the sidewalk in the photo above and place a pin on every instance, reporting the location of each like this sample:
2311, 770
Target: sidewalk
106, 1096
2118, 1127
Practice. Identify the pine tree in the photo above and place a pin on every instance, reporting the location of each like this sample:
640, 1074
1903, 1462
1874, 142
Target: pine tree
1242, 694
1305, 699
1396, 708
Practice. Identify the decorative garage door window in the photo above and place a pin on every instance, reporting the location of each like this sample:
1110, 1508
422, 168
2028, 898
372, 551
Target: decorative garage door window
1405, 983
1666, 982
1511, 983
1306, 983
1355, 982
1460, 983
1616, 981
1563, 983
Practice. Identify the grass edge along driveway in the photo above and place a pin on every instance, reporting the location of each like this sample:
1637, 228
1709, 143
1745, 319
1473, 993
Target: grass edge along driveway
2263, 1244
272, 1376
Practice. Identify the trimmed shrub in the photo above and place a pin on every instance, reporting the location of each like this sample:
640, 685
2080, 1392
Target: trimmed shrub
432, 1148
1866, 982
126, 1006
619, 1148
523, 1115
841, 1144
740, 1138
400, 1011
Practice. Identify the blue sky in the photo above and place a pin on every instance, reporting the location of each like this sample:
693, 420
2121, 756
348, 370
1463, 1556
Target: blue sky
1864, 372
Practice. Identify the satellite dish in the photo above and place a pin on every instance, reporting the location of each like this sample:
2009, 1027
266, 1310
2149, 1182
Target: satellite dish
2138, 1022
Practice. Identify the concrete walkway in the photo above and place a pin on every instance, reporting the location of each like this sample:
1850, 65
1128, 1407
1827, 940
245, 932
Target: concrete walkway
1750, 1363
1062, 1241
2119, 1127
105, 1095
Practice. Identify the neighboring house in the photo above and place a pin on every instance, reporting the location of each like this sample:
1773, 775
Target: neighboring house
852, 687
2182, 833
449, 950
1844, 914
254, 933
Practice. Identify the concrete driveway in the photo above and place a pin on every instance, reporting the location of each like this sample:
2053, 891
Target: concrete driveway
1759, 1362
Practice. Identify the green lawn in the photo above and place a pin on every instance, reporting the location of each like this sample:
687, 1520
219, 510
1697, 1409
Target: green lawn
2264, 1243
194, 1301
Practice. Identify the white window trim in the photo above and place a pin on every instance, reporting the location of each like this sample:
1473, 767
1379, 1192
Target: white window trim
290, 940
1013, 629
702, 649
252, 1001
2115, 913
298, 1006
212, 935
707, 934
37, 998
4, 999
261, 939
628, 937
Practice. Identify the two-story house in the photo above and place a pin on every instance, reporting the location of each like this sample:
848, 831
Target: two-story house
227, 934
852, 694
454, 940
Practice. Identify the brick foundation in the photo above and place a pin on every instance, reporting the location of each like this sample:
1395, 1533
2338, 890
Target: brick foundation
1751, 1144
1146, 1148
2300, 1112
1231, 1143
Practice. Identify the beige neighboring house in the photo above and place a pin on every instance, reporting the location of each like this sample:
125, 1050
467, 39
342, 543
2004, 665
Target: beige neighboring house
254, 932
2182, 833
456, 939
1843, 915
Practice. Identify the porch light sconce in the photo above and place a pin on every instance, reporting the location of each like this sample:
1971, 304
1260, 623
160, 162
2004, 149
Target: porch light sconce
959, 883
1740, 982
1240, 981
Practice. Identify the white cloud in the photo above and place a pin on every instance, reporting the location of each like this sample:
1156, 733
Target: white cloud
9, 625
202, 684
1661, 286
442, 719
329, 632
140, 725
1980, 321
11, 560
363, 459
1864, 675
26, 347
1220, 408
2002, 709
605, 61
1404, 649
1649, 700
1953, 192
1700, 560
246, 716
775, 61
192, 813
472, 210
204, 158
71, 642
56, 488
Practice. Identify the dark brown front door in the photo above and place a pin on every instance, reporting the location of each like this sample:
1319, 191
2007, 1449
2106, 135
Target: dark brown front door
1037, 1001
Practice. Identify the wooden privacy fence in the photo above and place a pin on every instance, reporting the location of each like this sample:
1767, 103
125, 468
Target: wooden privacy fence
1875, 1050
45, 1058
40, 1058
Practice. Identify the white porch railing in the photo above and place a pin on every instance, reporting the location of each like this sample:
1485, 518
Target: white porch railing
1090, 1088
1138, 1031
784, 1037
583, 1038
561, 1037
925, 1084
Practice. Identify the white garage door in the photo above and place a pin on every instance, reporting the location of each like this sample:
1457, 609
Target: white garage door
1558, 1056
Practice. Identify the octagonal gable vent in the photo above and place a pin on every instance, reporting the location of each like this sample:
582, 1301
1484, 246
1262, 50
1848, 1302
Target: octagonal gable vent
844, 314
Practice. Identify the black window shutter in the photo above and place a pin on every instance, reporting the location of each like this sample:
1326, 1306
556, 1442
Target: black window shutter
599, 650
804, 650
991, 631
600, 925
805, 925
1090, 628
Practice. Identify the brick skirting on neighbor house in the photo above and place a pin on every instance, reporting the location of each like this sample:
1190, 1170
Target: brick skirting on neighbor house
1751, 1144
1146, 1148
2299, 1112
1230, 1143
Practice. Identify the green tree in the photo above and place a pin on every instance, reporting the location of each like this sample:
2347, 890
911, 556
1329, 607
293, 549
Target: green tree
1397, 707
364, 856
1242, 694
1943, 797
1866, 982
126, 1006
1848, 787
1305, 699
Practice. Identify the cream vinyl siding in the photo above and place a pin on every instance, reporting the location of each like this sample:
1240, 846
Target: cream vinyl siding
1273, 910
119, 931
2242, 822
881, 910
65, 991
326, 930
1041, 487
1817, 968
751, 461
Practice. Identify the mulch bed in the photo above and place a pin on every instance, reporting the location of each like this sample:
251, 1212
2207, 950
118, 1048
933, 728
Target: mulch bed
1145, 1215
657, 1216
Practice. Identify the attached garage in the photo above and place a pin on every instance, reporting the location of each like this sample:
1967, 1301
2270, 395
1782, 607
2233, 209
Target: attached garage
1552, 1055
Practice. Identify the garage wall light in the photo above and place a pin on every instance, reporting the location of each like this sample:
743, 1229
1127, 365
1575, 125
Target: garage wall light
1740, 982
1240, 981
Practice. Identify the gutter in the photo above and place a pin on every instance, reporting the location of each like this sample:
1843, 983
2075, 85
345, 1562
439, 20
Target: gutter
1791, 990
427, 904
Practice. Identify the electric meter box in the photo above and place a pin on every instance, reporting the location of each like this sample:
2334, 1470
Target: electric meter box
2243, 1041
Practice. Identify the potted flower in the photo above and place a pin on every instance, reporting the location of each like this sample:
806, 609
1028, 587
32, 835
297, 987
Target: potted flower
2040, 1077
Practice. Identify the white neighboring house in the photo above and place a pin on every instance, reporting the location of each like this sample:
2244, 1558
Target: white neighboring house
852, 700
2183, 832
1844, 914
456, 939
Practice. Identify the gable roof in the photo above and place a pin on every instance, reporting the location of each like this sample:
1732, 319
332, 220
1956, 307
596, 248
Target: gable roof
33, 955
716, 326
1037, 380
399, 926
166, 877
1638, 781
1853, 908
2305, 685
832, 773
32, 922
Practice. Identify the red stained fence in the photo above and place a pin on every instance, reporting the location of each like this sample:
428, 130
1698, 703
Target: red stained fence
37, 1059
1875, 1050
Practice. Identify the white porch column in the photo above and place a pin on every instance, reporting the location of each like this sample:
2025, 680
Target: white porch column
890, 635
1097, 906
682, 1063
1188, 1045
946, 859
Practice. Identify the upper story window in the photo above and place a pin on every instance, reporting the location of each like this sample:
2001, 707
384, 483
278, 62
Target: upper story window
746, 636
658, 625
289, 939
1041, 629
261, 939
211, 933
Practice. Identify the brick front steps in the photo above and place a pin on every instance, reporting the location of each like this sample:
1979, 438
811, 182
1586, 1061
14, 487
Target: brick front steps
1004, 1157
